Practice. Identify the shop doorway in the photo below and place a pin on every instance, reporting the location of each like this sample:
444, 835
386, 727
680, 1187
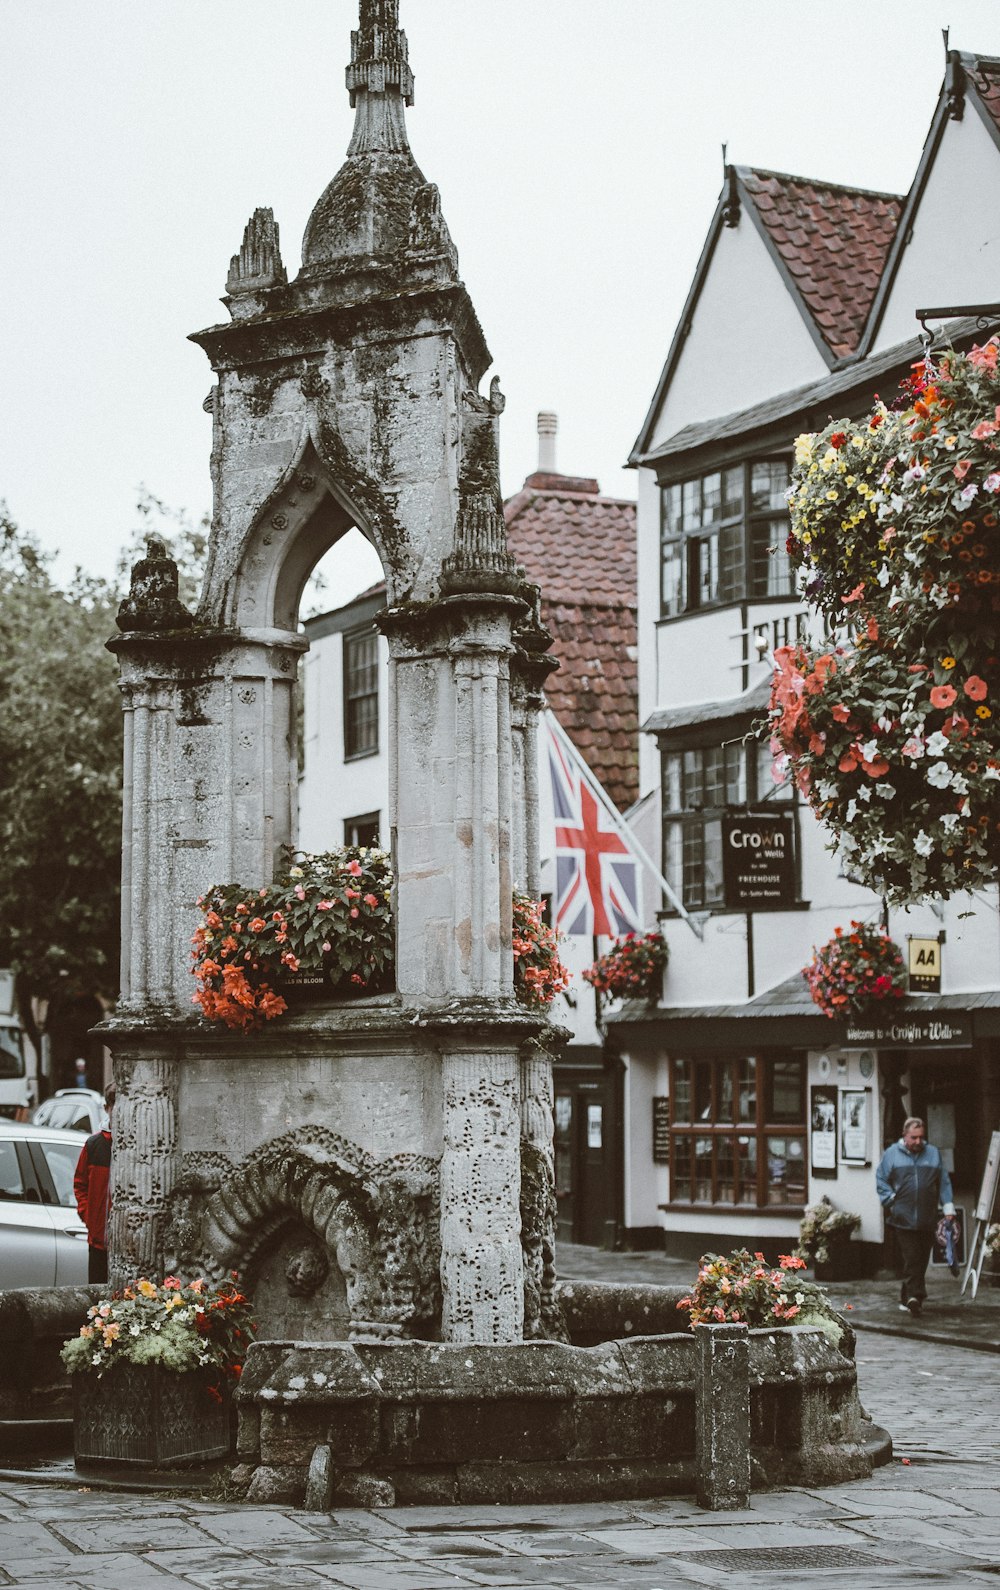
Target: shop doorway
943, 1094
586, 1156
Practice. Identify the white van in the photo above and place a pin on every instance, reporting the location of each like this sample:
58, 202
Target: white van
16, 1095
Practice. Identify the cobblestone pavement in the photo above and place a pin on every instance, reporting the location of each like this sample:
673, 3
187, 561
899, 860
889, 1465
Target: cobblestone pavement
933, 1514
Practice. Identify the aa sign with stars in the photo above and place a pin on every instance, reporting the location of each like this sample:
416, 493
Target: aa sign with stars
924, 965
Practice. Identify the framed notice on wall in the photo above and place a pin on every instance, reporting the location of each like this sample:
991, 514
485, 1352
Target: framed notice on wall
855, 1118
661, 1131
823, 1130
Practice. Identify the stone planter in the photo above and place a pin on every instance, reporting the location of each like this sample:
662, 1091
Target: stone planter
144, 1415
299, 989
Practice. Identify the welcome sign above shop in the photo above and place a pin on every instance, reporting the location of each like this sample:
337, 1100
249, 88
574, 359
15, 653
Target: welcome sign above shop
949, 1030
758, 862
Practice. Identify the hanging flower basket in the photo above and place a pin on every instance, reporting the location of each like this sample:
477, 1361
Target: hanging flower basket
854, 971
539, 974
324, 926
632, 968
892, 733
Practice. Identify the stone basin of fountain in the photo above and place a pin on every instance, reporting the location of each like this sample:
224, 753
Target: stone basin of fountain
377, 1423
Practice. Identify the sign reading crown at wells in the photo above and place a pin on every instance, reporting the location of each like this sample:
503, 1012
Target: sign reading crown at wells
758, 862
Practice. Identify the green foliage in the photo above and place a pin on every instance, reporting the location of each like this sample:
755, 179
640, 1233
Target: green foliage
60, 776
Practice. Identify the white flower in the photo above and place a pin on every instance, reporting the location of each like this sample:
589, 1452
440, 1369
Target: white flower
992, 483
937, 743
851, 812
968, 492
869, 750
865, 792
134, 1330
883, 575
914, 747
950, 821
960, 784
887, 791
939, 775
991, 772
923, 844
964, 810
96, 1358
916, 472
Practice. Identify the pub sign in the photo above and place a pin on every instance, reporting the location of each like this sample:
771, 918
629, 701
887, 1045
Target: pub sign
758, 862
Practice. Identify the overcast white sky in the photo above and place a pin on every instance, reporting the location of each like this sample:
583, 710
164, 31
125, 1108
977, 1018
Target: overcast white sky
575, 142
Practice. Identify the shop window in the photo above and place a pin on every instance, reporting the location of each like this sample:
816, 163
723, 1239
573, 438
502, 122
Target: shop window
723, 537
360, 694
738, 1130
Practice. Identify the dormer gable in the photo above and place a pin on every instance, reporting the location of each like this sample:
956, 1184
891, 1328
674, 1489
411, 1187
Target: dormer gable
791, 266
947, 247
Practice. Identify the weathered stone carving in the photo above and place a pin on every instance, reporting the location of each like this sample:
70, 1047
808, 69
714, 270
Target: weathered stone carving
542, 1313
376, 1220
429, 232
145, 1164
152, 602
258, 263
480, 560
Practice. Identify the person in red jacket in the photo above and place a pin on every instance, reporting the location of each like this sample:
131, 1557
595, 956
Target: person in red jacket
90, 1185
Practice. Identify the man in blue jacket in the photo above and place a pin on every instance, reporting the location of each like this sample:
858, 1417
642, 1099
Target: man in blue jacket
912, 1183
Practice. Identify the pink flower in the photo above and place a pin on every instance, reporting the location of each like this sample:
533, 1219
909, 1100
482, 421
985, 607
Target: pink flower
325, 905
985, 428
354, 868
371, 900
355, 911
327, 947
962, 468
975, 688
943, 696
992, 483
300, 893
840, 713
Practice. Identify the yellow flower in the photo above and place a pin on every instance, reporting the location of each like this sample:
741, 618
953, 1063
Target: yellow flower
831, 496
803, 448
983, 712
146, 1288
948, 662
175, 1301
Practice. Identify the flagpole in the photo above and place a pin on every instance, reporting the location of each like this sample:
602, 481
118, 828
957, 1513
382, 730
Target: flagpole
559, 733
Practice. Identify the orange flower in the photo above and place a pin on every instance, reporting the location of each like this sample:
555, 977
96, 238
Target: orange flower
975, 688
943, 696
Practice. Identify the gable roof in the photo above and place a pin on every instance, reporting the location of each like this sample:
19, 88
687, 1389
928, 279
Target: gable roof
580, 548
829, 244
832, 242
975, 77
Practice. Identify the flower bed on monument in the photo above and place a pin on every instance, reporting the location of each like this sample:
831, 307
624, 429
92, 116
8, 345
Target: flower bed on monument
152, 1370
890, 730
854, 971
325, 922
325, 926
632, 968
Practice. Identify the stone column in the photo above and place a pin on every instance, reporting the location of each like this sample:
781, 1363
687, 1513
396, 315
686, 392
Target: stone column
722, 1416
145, 1159
538, 1193
481, 1271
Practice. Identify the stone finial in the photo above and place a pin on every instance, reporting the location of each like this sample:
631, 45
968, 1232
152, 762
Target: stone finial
152, 603
379, 80
258, 263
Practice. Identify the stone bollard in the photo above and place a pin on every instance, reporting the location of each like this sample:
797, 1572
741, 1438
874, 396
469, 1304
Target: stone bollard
722, 1416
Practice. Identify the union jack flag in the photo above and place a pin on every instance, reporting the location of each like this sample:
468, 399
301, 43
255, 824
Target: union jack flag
597, 873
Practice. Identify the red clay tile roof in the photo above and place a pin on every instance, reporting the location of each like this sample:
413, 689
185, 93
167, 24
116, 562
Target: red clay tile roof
833, 241
580, 548
984, 72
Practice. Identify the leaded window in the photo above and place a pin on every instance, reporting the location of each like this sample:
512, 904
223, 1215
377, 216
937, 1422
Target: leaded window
723, 537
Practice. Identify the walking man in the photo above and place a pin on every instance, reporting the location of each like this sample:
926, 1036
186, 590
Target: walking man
90, 1185
912, 1182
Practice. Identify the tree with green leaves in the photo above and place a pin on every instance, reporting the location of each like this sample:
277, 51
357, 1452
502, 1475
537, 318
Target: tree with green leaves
61, 768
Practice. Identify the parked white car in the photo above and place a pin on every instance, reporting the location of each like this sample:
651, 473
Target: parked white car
73, 1109
43, 1241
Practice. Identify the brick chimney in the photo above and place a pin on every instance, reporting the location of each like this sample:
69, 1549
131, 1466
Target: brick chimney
546, 477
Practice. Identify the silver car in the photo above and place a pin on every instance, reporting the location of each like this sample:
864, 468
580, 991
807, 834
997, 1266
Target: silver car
76, 1109
43, 1241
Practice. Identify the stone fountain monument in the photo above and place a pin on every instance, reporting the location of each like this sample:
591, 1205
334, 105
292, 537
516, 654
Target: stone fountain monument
378, 1171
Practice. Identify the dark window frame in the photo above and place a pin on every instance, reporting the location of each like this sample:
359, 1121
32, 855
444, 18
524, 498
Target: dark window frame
360, 741
367, 820
716, 1129
692, 549
694, 820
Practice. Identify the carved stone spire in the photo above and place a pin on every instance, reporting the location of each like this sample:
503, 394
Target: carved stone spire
258, 263
380, 80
